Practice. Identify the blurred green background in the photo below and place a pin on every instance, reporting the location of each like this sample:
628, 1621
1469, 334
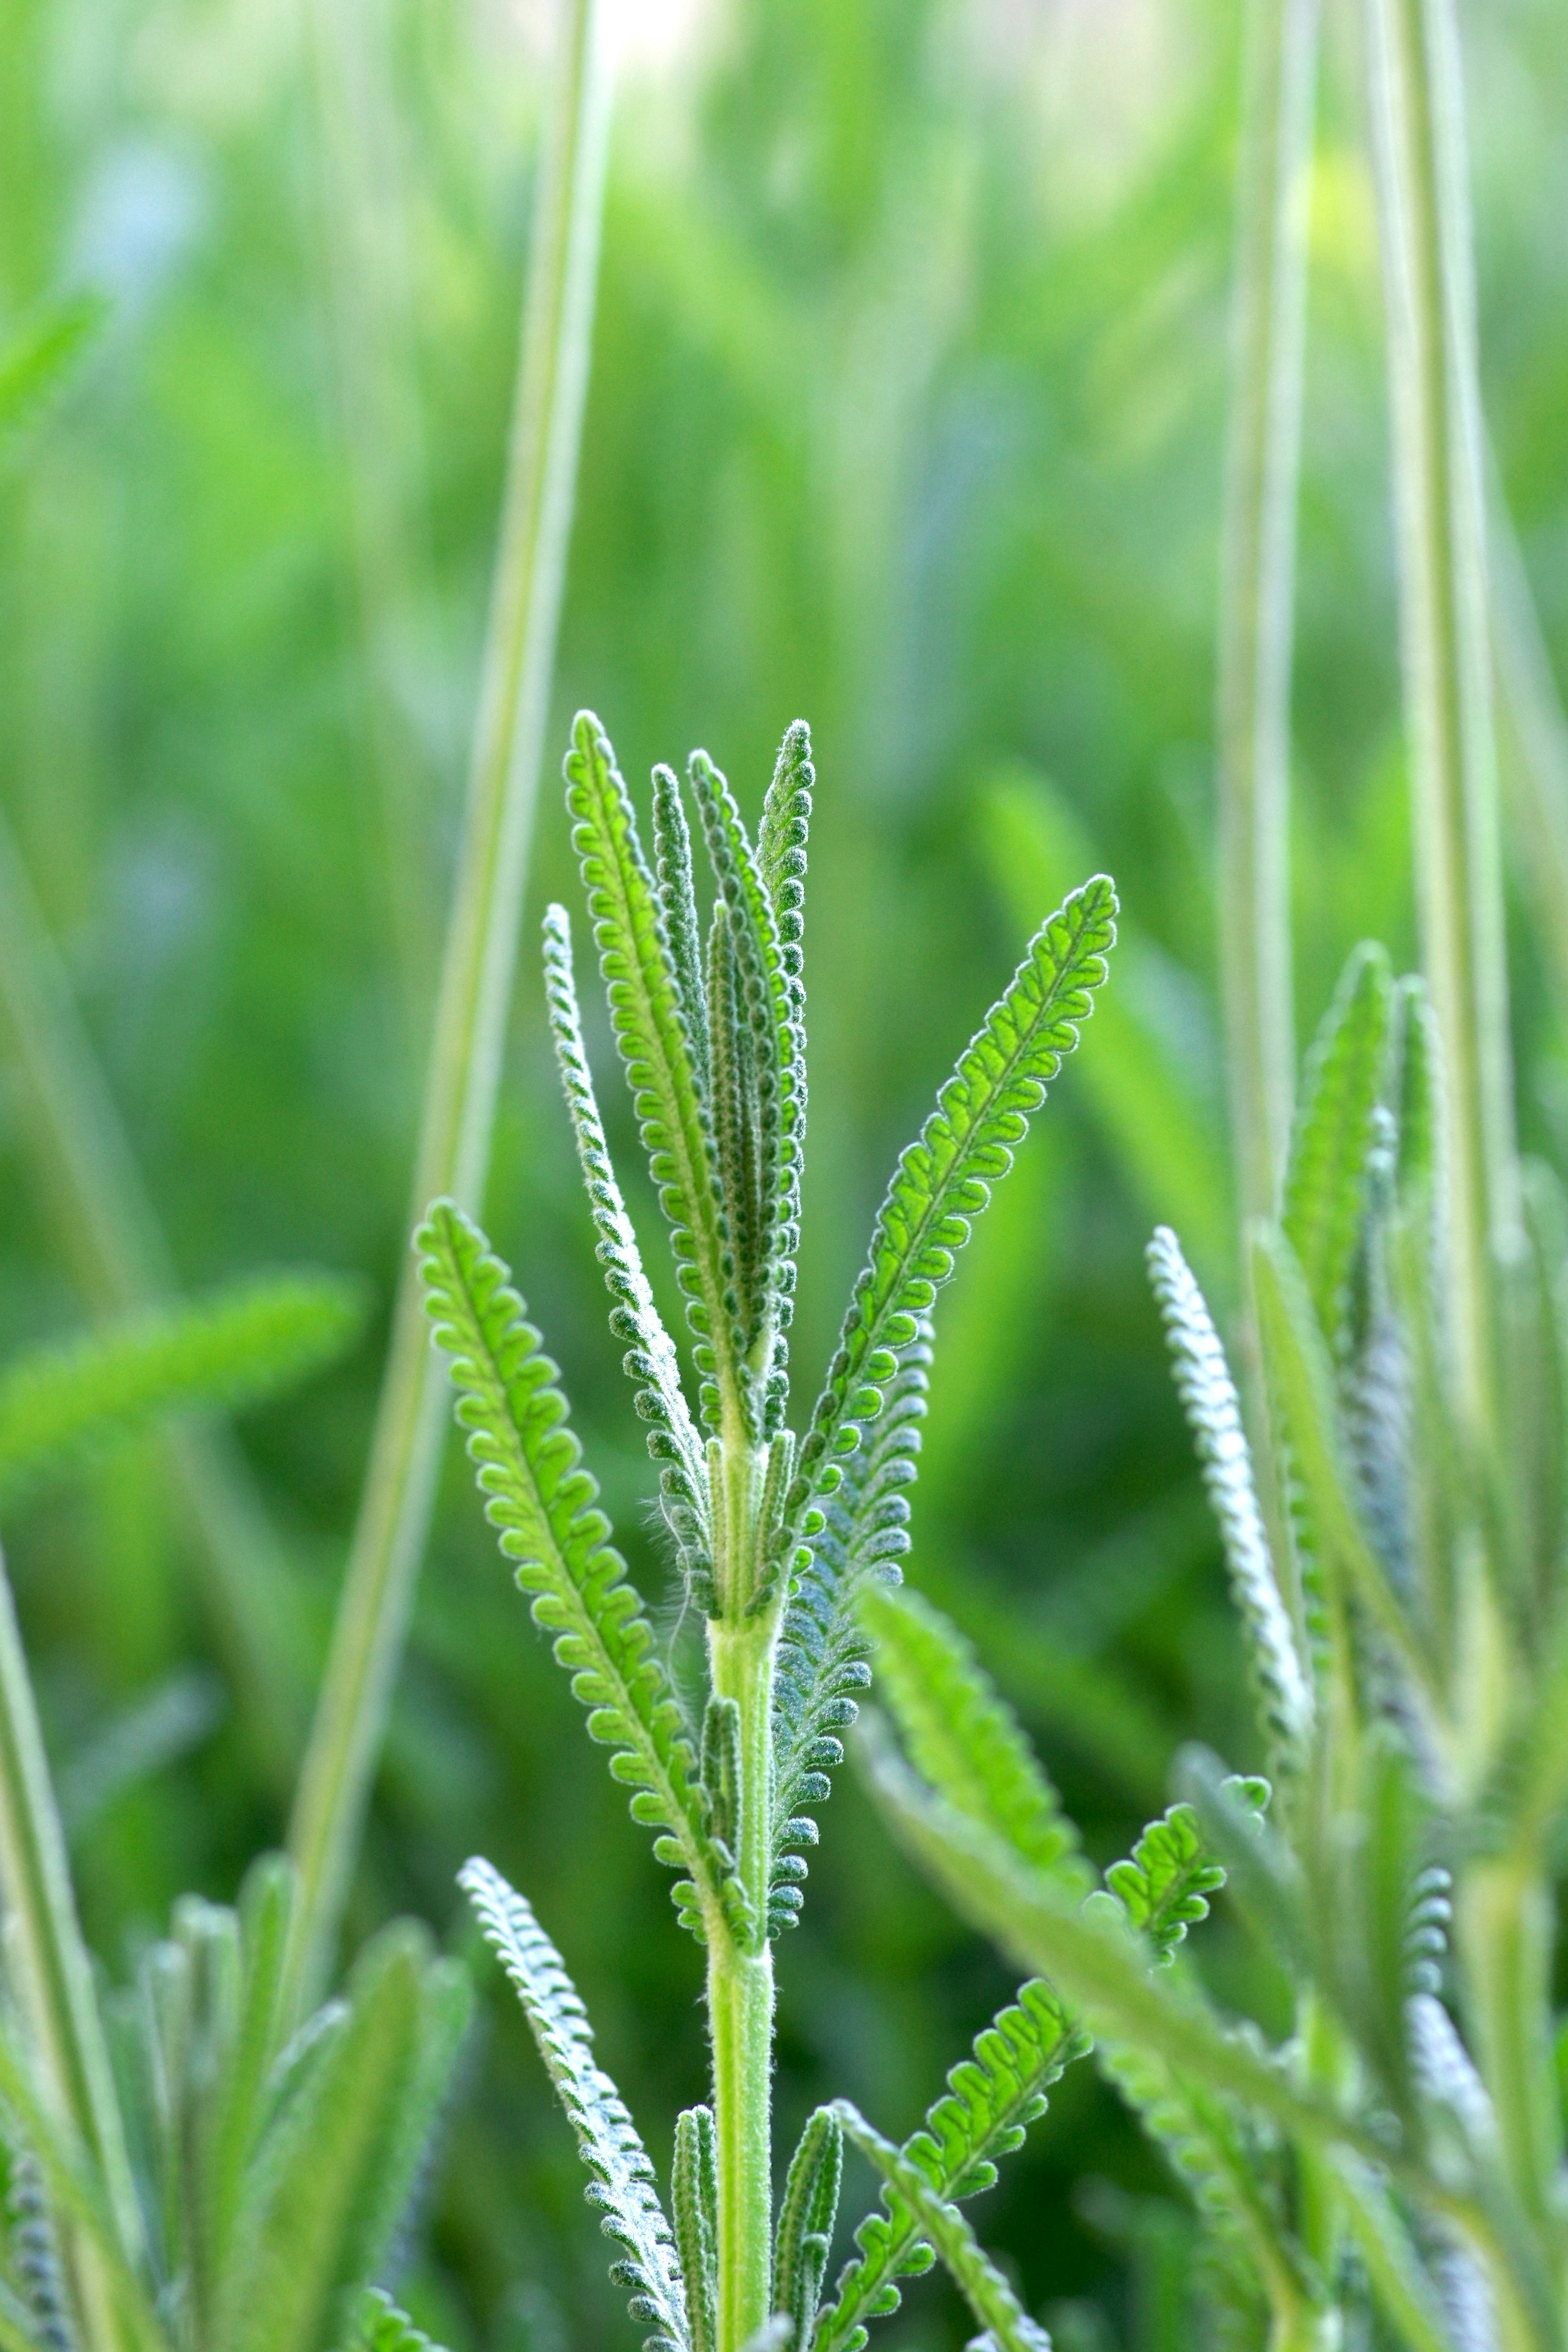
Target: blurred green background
907, 415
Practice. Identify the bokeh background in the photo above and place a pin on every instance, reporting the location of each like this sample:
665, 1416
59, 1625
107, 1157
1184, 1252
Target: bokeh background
907, 415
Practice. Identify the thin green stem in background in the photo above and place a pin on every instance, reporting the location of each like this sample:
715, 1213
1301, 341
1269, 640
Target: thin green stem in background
88, 1175
1534, 742
1257, 594
51, 1974
1429, 291
476, 980
370, 306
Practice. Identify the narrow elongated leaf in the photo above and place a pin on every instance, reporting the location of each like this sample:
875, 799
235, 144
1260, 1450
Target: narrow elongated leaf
677, 911
311, 2225
982, 2115
61, 1402
978, 2280
962, 1736
1275, 1645
804, 2238
1325, 1178
542, 1503
823, 1647
771, 1016
650, 1028
1091, 1957
942, 1181
650, 1364
621, 2185
1301, 1398
694, 2206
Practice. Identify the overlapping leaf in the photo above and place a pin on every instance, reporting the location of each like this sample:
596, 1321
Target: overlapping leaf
621, 2184
823, 1647
653, 1031
1275, 1645
943, 1179
1325, 1179
982, 2115
542, 1503
650, 1362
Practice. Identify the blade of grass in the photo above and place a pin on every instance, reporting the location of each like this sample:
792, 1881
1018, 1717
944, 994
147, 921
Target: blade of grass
88, 1174
1256, 590
1419, 146
1535, 741
50, 1974
476, 980
362, 228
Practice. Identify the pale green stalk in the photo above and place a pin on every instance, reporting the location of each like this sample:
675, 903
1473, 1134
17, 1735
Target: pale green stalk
370, 308
1257, 594
1535, 741
1429, 297
476, 979
89, 1177
50, 1975
741, 1651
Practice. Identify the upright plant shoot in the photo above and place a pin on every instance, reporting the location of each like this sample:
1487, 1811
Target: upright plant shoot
774, 1535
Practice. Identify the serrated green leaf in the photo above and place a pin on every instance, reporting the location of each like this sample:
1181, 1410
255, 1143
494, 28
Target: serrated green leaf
943, 1180
649, 1022
978, 2280
960, 1734
1299, 1380
381, 2326
1164, 1885
1326, 1174
60, 1403
1276, 1644
542, 1503
990, 2100
694, 2211
651, 1363
677, 912
768, 1017
807, 2211
823, 1647
621, 2185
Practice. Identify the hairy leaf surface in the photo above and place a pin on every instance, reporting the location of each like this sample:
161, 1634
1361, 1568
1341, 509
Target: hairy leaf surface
621, 2185
942, 1181
651, 1362
990, 2100
651, 1024
542, 1502
1281, 1675
982, 2285
1325, 1179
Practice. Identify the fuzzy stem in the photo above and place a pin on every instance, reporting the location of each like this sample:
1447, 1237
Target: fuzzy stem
740, 1998
51, 1976
1257, 597
1419, 151
476, 980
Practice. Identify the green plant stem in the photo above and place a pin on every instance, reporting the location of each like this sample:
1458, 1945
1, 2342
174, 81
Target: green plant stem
51, 1974
369, 301
1257, 594
476, 980
89, 1176
1535, 741
741, 1999
1428, 292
